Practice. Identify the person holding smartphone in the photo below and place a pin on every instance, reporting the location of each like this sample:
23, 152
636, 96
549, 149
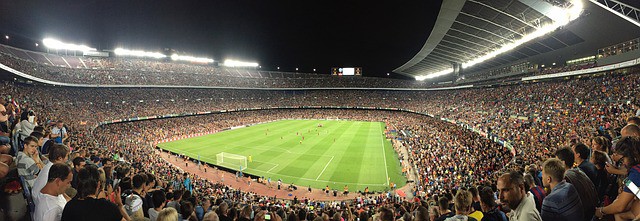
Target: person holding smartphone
629, 150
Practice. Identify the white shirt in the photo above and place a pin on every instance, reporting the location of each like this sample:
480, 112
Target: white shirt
41, 180
48, 207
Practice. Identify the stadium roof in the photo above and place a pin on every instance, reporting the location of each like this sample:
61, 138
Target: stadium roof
468, 29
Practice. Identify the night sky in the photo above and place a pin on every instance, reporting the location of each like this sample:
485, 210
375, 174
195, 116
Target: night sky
376, 35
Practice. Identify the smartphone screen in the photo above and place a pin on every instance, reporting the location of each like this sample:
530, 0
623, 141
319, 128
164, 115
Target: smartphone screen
267, 217
632, 186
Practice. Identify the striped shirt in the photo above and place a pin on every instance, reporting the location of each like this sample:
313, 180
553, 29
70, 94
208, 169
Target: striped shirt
27, 168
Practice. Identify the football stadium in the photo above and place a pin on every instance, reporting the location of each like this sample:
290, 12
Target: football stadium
318, 111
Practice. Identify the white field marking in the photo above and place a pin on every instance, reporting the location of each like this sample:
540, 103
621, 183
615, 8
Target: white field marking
384, 155
273, 168
325, 167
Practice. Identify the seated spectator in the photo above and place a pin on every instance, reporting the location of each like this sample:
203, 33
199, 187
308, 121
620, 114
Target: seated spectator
512, 193
5, 133
50, 200
563, 202
629, 149
489, 206
86, 205
29, 162
462, 203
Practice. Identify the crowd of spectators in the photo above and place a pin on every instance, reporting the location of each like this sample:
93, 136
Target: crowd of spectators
453, 164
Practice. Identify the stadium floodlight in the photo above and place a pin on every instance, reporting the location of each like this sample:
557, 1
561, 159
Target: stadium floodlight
233, 63
176, 57
560, 16
58, 45
136, 53
6, 37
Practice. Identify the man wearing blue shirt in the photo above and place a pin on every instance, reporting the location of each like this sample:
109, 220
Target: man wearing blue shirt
563, 203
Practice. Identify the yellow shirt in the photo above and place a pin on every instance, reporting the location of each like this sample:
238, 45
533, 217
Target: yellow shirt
477, 215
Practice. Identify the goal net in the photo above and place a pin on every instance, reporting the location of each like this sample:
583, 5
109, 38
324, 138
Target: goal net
232, 161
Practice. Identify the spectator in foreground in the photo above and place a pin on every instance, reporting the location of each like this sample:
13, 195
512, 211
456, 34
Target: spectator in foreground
563, 202
586, 189
629, 148
489, 206
512, 193
462, 203
58, 154
168, 214
50, 200
159, 200
86, 206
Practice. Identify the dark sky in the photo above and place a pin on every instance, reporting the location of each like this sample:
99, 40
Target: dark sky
376, 35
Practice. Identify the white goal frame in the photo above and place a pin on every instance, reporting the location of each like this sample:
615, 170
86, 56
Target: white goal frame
240, 161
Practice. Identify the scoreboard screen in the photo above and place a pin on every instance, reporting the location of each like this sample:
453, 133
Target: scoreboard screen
352, 71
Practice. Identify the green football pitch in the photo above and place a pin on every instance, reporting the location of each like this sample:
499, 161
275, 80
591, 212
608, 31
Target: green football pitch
353, 153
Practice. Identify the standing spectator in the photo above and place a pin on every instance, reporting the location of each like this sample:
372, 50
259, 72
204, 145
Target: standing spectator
563, 203
443, 209
579, 180
489, 206
159, 200
59, 132
59, 154
50, 204
581, 157
600, 160
512, 193
86, 205
78, 163
462, 203
133, 202
168, 214
537, 191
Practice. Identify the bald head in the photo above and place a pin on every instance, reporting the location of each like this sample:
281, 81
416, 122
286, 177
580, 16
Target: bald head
631, 130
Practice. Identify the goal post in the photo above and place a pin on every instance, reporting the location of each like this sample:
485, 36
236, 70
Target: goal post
233, 161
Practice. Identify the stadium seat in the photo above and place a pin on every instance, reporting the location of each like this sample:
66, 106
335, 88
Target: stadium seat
27, 195
16, 143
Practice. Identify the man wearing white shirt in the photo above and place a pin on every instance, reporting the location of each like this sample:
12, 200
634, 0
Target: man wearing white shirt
49, 206
57, 154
